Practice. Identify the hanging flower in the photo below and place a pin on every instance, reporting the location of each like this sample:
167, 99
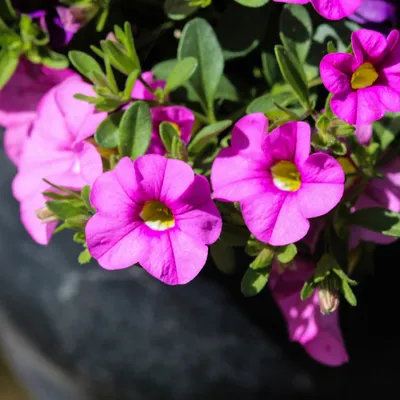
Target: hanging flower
155, 212
382, 193
277, 182
319, 334
365, 85
19, 100
57, 151
330, 9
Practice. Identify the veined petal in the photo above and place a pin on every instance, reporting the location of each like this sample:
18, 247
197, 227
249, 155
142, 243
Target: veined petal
336, 70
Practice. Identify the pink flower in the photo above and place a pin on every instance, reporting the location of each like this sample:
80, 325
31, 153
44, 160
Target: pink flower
156, 212
140, 92
367, 84
19, 99
57, 151
383, 193
181, 117
330, 9
319, 334
277, 182
364, 133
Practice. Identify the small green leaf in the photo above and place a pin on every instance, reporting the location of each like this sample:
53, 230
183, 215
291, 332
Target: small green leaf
331, 48
264, 259
135, 130
286, 254
130, 83
339, 148
118, 58
207, 133
234, 235
130, 46
181, 72
178, 149
293, 74
254, 281
8, 65
342, 276
85, 193
252, 3
254, 247
84, 257
307, 290
223, 256
324, 267
107, 133
178, 9
226, 90
348, 293
378, 220
167, 134
270, 68
84, 63
65, 209
77, 223
267, 103
80, 237
54, 60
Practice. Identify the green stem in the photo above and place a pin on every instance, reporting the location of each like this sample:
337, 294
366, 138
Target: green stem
211, 114
201, 117
314, 82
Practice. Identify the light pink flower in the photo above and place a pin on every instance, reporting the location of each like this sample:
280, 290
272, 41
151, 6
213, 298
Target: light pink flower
140, 92
19, 100
57, 151
367, 84
319, 334
364, 133
153, 211
181, 117
277, 182
330, 9
383, 193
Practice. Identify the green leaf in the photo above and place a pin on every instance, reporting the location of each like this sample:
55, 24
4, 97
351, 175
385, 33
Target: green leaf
223, 256
178, 9
80, 237
252, 3
339, 148
254, 247
324, 267
286, 254
181, 72
84, 63
198, 40
54, 60
118, 58
178, 149
270, 68
234, 235
293, 74
342, 276
264, 259
167, 134
130, 46
65, 209
378, 220
266, 104
348, 293
107, 133
130, 83
296, 30
207, 133
77, 223
8, 65
307, 290
85, 194
84, 257
135, 130
254, 281
226, 90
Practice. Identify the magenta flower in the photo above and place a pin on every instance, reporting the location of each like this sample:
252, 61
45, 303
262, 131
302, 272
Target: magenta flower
383, 193
319, 334
140, 92
277, 182
155, 212
364, 133
19, 100
374, 11
330, 9
181, 117
57, 151
365, 85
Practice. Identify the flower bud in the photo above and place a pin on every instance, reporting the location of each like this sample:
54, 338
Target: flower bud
328, 296
45, 215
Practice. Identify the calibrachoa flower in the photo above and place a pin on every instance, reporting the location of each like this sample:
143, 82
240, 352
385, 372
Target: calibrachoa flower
319, 334
156, 212
19, 100
374, 11
181, 117
330, 9
383, 193
57, 151
277, 182
365, 85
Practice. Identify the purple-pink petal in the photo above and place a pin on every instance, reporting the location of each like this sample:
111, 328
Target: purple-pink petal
369, 46
336, 70
140, 92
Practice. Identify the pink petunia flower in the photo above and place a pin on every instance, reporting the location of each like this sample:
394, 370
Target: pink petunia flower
367, 84
277, 182
384, 193
181, 117
153, 211
330, 9
19, 100
319, 334
140, 92
57, 151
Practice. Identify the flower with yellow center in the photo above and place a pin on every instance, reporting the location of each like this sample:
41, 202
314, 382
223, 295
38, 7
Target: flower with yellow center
286, 176
364, 76
157, 216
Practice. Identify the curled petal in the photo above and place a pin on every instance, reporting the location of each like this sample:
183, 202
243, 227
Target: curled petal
336, 70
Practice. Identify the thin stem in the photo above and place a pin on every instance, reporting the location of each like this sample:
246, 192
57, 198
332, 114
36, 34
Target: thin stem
201, 117
314, 82
211, 114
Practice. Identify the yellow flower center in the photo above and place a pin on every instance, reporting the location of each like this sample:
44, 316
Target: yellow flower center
286, 176
157, 216
364, 76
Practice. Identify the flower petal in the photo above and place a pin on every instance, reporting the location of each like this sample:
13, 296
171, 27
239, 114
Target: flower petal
336, 70
275, 218
140, 92
369, 46
90, 162
15, 137
322, 185
336, 9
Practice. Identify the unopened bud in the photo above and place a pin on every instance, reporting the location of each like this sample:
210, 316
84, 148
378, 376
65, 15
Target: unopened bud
328, 296
45, 215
